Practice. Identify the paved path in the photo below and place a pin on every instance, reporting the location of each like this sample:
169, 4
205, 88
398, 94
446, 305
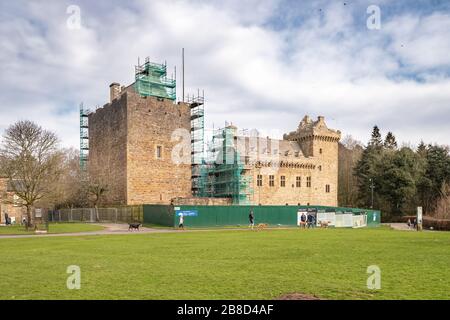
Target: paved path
121, 228
110, 228
399, 226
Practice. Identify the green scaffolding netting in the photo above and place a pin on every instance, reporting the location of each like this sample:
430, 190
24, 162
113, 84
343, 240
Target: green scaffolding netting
223, 176
151, 80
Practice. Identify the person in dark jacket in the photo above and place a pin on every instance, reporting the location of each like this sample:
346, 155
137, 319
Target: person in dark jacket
310, 220
7, 219
251, 219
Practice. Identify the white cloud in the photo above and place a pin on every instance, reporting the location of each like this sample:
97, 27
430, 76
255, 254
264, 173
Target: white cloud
254, 75
421, 42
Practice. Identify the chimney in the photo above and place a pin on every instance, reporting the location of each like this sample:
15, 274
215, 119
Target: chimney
114, 91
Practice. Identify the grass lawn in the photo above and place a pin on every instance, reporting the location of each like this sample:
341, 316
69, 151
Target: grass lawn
52, 228
239, 264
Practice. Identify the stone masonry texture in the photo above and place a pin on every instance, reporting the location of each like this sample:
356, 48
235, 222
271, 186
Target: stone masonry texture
124, 138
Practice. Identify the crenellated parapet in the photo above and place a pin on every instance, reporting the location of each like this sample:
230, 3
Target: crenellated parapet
312, 134
309, 129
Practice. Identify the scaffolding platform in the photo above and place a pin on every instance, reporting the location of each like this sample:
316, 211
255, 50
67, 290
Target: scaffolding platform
151, 80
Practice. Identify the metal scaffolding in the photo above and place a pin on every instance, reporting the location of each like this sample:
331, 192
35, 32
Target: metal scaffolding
151, 80
84, 138
224, 175
197, 104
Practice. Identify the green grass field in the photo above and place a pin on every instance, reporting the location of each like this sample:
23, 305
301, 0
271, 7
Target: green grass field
52, 228
330, 264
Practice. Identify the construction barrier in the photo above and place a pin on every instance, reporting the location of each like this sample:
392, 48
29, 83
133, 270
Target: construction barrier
237, 215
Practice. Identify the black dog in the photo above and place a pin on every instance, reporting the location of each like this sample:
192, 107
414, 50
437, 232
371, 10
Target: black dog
134, 226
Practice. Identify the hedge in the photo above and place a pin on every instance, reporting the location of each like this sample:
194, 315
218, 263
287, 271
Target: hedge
428, 222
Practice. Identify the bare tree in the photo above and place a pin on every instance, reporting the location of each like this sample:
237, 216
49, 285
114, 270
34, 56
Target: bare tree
443, 204
30, 159
349, 152
96, 191
71, 190
350, 143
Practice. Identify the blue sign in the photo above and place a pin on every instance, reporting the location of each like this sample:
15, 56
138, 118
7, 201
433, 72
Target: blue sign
187, 213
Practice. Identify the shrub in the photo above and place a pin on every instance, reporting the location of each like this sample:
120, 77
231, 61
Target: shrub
428, 222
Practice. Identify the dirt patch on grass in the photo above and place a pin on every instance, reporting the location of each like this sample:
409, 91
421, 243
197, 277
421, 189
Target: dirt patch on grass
298, 296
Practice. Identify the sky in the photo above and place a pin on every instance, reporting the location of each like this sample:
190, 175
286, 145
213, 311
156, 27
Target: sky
262, 64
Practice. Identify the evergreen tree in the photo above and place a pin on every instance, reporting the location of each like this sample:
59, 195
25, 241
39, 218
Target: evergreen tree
422, 149
375, 140
397, 181
366, 172
403, 179
438, 173
390, 142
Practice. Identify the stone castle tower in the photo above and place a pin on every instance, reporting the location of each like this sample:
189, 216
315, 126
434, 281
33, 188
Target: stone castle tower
131, 145
320, 145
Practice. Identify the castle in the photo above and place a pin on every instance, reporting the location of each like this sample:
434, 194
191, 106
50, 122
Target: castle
132, 147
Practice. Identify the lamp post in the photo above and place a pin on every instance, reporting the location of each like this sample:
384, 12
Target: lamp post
371, 187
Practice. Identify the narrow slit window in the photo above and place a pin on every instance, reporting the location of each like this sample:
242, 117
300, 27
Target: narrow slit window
158, 152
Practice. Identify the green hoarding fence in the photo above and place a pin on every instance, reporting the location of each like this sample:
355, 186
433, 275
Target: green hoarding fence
162, 215
220, 216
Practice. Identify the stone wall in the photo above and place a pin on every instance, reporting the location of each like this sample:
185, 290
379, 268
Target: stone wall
151, 123
8, 204
291, 193
108, 149
123, 139
313, 153
326, 171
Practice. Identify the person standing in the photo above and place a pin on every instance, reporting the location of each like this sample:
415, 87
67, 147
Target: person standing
309, 220
7, 222
251, 219
181, 224
303, 221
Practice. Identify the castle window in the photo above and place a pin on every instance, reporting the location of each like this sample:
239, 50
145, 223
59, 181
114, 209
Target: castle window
298, 182
259, 180
320, 168
308, 182
271, 181
158, 152
320, 150
327, 188
283, 181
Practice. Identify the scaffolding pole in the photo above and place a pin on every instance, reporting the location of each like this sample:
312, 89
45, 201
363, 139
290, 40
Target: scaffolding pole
84, 140
197, 103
